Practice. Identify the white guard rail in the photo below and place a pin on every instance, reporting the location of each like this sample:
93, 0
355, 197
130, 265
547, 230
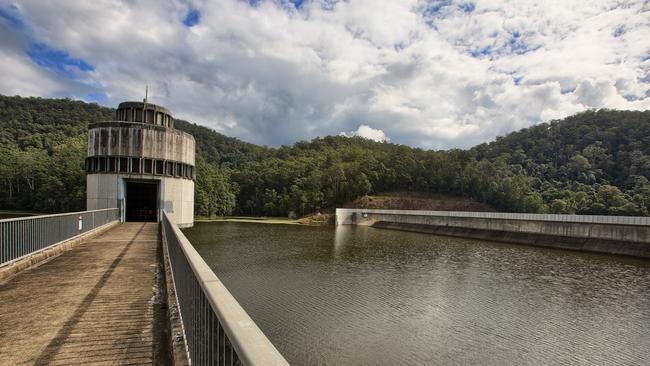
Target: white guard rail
217, 330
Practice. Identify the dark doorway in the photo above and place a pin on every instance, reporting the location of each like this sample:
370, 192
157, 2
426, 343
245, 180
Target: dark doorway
141, 201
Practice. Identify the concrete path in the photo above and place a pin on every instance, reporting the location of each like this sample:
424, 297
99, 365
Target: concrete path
95, 304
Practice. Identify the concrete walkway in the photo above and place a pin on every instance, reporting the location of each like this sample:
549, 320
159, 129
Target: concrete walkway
95, 304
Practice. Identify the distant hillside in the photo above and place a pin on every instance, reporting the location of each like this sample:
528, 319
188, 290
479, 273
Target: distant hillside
418, 201
596, 162
44, 123
615, 144
590, 162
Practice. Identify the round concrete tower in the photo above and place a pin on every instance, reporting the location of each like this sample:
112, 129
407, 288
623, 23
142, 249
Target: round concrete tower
142, 165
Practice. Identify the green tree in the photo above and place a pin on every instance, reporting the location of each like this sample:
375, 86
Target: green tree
214, 194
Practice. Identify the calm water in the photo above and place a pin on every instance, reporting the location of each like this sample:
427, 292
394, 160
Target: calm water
364, 296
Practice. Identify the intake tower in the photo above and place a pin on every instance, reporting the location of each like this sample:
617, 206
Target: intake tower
139, 163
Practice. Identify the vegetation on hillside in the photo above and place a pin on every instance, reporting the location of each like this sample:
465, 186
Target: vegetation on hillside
418, 201
596, 162
43, 147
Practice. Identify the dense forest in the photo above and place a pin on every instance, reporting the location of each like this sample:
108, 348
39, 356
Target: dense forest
595, 162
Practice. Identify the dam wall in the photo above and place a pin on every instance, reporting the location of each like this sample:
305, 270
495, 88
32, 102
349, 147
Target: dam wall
624, 235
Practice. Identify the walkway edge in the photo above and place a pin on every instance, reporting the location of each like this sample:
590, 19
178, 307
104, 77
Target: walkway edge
13, 268
176, 340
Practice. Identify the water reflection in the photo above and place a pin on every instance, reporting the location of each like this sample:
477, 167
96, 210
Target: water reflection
341, 236
363, 296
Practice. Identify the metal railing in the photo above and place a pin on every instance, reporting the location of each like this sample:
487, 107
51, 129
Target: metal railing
23, 236
217, 330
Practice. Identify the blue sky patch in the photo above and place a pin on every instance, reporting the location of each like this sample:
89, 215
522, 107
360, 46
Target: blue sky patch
619, 31
467, 7
482, 52
192, 18
328, 4
435, 7
57, 61
296, 4
97, 97
518, 46
12, 20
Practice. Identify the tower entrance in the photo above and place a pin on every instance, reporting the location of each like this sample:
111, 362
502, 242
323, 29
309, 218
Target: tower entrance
142, 201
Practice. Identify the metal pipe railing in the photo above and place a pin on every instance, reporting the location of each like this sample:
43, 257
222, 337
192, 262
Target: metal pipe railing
23, 236
216, 328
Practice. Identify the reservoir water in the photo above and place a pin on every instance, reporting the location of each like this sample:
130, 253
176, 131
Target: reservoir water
355, 295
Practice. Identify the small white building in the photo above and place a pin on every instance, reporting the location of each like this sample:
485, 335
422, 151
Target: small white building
142, 165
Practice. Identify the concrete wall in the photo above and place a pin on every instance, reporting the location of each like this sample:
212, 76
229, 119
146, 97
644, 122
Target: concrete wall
178, 200
140, 140
176, 195
607, 234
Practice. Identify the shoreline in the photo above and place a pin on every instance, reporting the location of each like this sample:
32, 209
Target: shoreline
256, 220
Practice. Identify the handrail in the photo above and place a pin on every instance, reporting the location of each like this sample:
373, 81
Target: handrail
53, 215
24, 236
216, 328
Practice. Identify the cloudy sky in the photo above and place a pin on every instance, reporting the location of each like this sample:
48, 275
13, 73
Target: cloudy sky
433, 74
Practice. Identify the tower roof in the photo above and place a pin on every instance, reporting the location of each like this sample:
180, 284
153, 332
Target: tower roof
143, 112
140, 105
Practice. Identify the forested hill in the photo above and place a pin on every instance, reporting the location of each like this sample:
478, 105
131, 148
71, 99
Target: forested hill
575, 159
615, 144
590, 163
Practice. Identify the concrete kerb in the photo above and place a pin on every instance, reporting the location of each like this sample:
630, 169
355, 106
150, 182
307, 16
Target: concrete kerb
177, 344
39, 257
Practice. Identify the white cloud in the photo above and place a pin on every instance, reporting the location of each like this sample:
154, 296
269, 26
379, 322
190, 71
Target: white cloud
425, 75
369, 133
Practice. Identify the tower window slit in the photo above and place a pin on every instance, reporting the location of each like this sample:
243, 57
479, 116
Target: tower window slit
135, 165
102, 165
148, 166
160, 167
169, 168
112, 165
124, 165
